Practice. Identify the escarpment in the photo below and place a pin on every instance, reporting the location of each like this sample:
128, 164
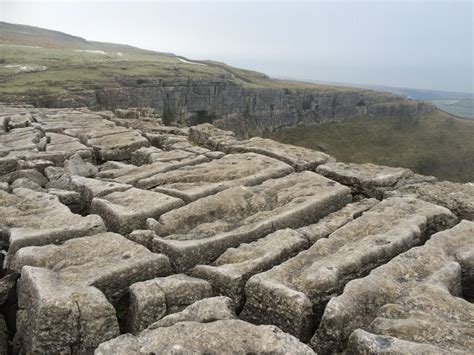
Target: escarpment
247, 111
122, 235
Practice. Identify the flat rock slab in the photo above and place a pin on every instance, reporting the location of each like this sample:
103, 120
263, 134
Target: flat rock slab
204, 229
298, 157
292, 295
210, 136
107, 261
153, 299
413, 304
459, 198
230, 272
29, 218
202, 311
193, 182
222, 336
125, 211
117, 146
131, 174
367, 179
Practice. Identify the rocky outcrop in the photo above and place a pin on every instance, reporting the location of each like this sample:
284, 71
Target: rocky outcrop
244, 110
191, 238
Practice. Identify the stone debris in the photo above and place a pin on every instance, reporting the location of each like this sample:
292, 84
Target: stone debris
76, 166
124, 211
222, 336
193, 182
412, 304
202, 230
153, 299
292, 295
102, 212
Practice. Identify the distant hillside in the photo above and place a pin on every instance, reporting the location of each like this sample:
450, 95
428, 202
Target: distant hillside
431, 144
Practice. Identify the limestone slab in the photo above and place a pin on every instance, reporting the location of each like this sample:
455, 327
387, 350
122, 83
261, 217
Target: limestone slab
292, 295
107, 261
124, 211
36, 218
412, 304
193, 182
459, 198
367, 179
153, 299
222, 336
298, 157
204, 229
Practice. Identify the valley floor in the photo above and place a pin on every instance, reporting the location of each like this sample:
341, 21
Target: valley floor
431, 144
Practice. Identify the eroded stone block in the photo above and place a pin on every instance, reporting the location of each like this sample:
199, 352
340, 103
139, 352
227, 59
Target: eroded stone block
411, 304
459, 198
202, 311
298, 157
204, 229
193, 182
293, 295
124, 211
192, 337
29, 218
366, 179
153, 299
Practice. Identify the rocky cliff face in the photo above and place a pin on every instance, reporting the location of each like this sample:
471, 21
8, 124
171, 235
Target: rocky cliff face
244, 110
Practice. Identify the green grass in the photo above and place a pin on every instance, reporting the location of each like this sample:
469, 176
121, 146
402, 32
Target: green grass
432, 144
67, 67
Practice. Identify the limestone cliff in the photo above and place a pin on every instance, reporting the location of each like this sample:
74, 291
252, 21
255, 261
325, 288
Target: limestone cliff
245, 110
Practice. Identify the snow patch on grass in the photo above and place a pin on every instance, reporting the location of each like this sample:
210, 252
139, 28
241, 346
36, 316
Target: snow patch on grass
188, 62
93, 51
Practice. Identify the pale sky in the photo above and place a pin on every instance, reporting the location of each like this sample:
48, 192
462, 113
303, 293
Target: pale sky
415, 44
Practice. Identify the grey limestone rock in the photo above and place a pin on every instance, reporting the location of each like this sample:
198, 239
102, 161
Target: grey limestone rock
193, 182
292, 295
76, 166
153, 299
202, 230
124, 211
412, 304
222, 336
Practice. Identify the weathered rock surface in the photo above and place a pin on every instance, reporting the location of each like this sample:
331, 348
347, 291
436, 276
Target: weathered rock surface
35, 218
279, 243
412, 304
201, 231
107, 261
230, 272
222, 336
459, 198
153, 299
124, 211
76, 166
293, 294
369, 179
193, 182
60, 306
202, 311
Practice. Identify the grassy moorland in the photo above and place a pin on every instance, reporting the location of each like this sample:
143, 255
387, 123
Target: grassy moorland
33, 58
432, 144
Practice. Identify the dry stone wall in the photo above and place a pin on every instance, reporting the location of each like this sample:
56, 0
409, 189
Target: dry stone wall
120, 235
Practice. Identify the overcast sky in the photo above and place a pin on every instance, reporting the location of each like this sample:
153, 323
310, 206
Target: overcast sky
416, 44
